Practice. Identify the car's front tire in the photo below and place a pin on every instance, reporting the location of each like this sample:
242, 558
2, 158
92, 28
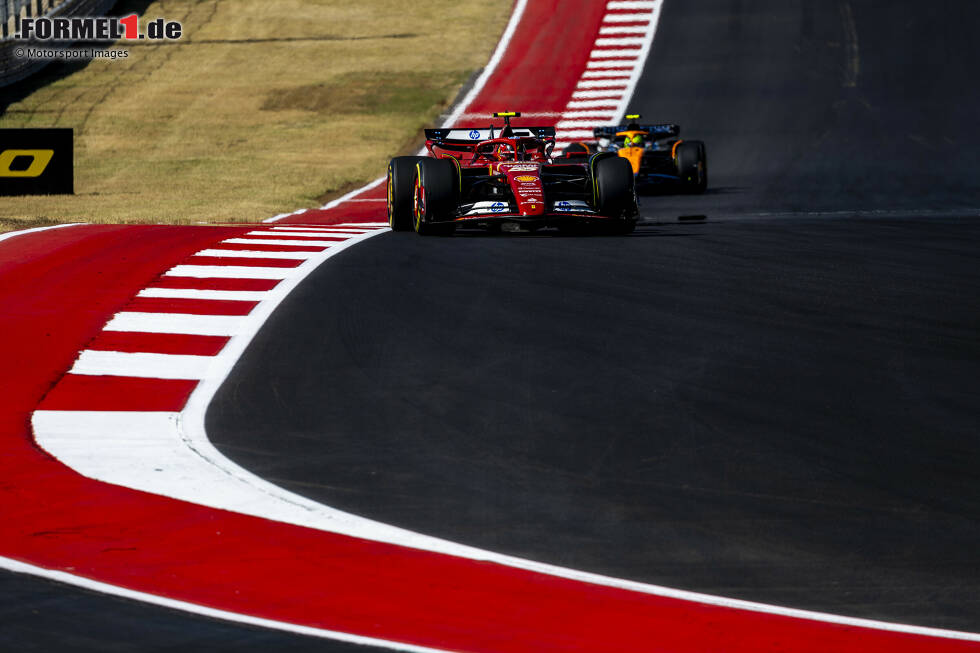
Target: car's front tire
401, 184
615, 192
692, 166
435, 195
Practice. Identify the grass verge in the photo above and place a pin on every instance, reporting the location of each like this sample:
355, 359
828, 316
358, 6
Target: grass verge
260, 108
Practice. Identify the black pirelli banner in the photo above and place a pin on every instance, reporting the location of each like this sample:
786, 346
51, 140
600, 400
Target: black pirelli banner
36, 162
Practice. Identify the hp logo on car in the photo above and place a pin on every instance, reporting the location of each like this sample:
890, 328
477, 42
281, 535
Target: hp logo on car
475, 134
498, 207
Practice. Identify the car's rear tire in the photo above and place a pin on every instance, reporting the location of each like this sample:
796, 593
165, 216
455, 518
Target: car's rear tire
692, 166
615, 192
435, 195
401, 185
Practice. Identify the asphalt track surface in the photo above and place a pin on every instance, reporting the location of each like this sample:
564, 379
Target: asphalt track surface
775, 403
42, 616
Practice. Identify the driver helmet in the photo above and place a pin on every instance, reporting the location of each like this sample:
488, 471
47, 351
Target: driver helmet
504, 152
635, 141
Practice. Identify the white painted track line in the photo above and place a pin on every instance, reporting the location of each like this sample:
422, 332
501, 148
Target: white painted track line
591, 104
142, 365
607, 74
628, 29
57, 576
626, 18
616, 53
602, 83
632, 4
199, 325
24, 232
333, 232
195, 293
586, 95
612, 63
240, 253
229, 272
627, 40
281, 241
323, 230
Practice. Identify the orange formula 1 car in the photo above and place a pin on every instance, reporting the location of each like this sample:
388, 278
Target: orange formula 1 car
659, 158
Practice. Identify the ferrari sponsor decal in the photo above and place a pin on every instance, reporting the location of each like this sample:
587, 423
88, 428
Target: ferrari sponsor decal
474, 134
498, 207
522, 168
525, 178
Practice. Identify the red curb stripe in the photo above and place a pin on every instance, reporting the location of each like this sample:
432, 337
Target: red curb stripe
158, 343
212, 283
84, 392
236, 261
192, 306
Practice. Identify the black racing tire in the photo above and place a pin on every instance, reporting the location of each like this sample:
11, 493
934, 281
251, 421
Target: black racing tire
615, 192
692, 166
435, 195
401, 186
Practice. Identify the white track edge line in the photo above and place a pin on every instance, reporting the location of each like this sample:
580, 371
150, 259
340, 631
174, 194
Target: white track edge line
24, 232
19, 567
195, 437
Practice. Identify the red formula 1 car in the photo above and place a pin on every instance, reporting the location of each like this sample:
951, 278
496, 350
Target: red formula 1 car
504, 177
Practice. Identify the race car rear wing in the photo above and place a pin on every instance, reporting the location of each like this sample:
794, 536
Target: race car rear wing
662, 130
476, 134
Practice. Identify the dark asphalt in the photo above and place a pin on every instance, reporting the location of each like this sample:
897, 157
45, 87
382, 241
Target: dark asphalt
40, 616
821, 105
776, 410
777, 403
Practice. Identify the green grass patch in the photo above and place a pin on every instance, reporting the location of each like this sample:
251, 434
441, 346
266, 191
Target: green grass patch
261, 108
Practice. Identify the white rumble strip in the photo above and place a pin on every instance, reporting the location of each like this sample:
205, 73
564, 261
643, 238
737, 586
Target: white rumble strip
229, 272
197, 325
282, 241
142, 365
613, 69
204, 293
242, 253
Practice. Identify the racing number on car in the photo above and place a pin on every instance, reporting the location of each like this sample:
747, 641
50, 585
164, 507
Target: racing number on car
39, 161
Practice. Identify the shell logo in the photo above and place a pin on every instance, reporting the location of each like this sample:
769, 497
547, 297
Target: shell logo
525, 178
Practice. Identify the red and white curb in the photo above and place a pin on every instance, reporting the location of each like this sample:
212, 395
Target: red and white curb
613, 70
152, 372
177, 341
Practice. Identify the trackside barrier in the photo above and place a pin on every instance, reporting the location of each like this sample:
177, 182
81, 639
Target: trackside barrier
14, 68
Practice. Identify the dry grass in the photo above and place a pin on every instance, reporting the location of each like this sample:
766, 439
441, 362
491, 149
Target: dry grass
261, 107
